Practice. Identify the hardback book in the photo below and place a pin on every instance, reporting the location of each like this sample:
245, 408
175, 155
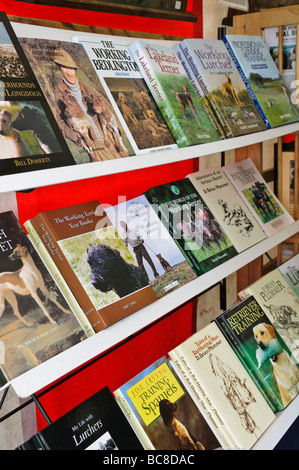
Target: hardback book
133, 103
86, 117
96, 264
228, 208
36, 323
260, 349
30, 138
221, 82
171, 88
162, 412
96, 424
281, 306
201, 95
211, 362
155, 252
258, 196
290, 271
263, 80
191, 224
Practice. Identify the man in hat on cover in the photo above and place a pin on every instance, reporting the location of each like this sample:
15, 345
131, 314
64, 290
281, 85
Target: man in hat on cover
81, 113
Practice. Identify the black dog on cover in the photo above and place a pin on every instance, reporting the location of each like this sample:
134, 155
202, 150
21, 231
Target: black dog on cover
109, 271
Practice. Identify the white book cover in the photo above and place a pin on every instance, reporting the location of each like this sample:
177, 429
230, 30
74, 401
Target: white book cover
258, 196
290, 271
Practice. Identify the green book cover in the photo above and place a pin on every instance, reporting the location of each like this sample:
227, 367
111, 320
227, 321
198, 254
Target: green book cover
259, 347
191, 224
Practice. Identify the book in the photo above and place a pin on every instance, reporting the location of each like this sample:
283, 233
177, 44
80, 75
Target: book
190, 223
174, 94
30, 138
228, 208
162, 412
258, 196
290, 271
244, 326
194, 82
281, 306
133, 103
221, 82
210, 361
77, 99
36, 323
148, 241
94, 261
96, 424
263, 80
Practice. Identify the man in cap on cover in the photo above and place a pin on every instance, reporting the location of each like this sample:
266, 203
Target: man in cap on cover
81, 113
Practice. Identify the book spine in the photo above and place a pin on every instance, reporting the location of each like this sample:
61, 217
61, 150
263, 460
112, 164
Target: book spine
212, 413
49, 240
246, 82
200, 94
60, 281
247, 363
129, 414
158, 94
218, 111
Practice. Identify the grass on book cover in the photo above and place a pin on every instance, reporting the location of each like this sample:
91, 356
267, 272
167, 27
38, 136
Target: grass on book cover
76, 252
262, 202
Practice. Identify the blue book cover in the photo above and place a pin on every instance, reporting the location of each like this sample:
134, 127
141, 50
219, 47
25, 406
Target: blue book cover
263, 80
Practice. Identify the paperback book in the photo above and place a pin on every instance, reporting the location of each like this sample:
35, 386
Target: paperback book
263, 80
153, 249
290, 271
221, 82
171, 88
191, 225
258, 196
96, 424
80, 104
30, 138
261, 350
281, 306
228, 208
133, 103
36, 323
209, 360
95, 262
157, 405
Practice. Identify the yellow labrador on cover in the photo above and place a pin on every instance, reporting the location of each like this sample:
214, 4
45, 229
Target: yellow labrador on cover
285, 371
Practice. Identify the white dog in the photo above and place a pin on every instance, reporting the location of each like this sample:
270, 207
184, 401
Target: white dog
11, 143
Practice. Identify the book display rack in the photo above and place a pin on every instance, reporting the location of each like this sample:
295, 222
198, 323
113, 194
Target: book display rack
63, 365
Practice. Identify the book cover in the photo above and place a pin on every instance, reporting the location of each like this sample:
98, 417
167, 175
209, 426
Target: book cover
228, 386
30, 138
155, 252
221, 82
290, 271
36, 323
95, 262
171, 88
258, 346
162, 412
263, 79
198, 90
133, 103
96, 424
258, 196
78, 100
228, 208
191, 224
281, 306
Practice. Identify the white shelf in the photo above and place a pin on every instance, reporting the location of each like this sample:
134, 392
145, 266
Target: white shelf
36, 179
67, 361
